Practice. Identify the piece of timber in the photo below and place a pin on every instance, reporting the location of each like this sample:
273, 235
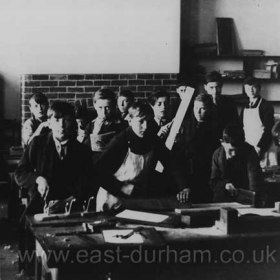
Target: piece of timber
173, 220
178, 120
72, 219
228, 222
248, 221
205, 215
246, 196
154, 204
210, 206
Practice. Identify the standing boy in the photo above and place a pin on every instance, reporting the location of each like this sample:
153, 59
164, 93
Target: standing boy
160, 103
225, 109
257, 118
195, 145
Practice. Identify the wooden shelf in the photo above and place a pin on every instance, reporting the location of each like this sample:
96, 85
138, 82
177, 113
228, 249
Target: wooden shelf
249, 64
241, 98
214, 56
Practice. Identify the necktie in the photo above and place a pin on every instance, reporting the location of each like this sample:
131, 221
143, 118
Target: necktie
63, 152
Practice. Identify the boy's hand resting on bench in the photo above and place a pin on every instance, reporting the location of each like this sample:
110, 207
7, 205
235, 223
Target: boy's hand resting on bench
183, 195
231, 189
42, 185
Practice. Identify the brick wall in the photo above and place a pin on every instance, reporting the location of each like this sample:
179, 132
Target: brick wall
80, 88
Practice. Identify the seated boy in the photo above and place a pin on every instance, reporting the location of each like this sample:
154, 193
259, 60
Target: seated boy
160, 103
234, 165
101, 130
225, 108
56, 165
127, 165
38, 122
124, 100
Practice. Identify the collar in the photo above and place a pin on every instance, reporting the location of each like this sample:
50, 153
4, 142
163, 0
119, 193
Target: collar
254, 104
140, 145
161, 121
58, 144
39, 120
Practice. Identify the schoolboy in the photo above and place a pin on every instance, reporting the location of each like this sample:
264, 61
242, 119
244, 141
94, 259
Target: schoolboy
257, 118
225, 108
106, 125
83, 117
160, 103
55, 165
124, 99
37, 124
235, 165
128, 163
198, 139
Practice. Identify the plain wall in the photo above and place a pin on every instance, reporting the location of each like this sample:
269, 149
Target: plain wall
85, 36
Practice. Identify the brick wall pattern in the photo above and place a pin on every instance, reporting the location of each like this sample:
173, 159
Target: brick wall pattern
80, 88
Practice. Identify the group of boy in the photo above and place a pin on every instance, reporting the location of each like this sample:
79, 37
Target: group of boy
116, 155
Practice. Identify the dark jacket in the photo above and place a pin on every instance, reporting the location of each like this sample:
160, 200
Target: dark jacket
111, 159
195, 148
226, 112
71, 176
266, 112
4, 170
115, 125
29, 127
243, 171
108, 130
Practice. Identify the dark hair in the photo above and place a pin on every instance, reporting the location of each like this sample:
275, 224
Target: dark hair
234, 134
81, 112
104, 93
140, 109
183, 84
40, 98
252, 82
213, 76
206, 99
126, 93
61, 108
156, 95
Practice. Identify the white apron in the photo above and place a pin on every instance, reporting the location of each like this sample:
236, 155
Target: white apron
254, 129
133, 169
253, 126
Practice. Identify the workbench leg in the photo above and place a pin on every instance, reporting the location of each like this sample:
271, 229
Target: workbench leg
38, 268
54, 273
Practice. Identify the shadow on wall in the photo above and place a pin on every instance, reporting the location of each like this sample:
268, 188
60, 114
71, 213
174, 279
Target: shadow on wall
9, 128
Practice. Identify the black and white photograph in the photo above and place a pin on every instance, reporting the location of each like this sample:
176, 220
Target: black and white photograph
139, 139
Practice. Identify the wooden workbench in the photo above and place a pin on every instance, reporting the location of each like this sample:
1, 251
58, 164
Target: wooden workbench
179, 248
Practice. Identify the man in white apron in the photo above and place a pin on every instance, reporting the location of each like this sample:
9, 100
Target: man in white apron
258, 119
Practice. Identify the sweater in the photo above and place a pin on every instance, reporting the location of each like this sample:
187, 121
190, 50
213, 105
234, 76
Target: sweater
243, 171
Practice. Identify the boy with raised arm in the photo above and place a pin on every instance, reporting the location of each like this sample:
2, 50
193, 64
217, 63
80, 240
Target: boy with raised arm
127, 166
